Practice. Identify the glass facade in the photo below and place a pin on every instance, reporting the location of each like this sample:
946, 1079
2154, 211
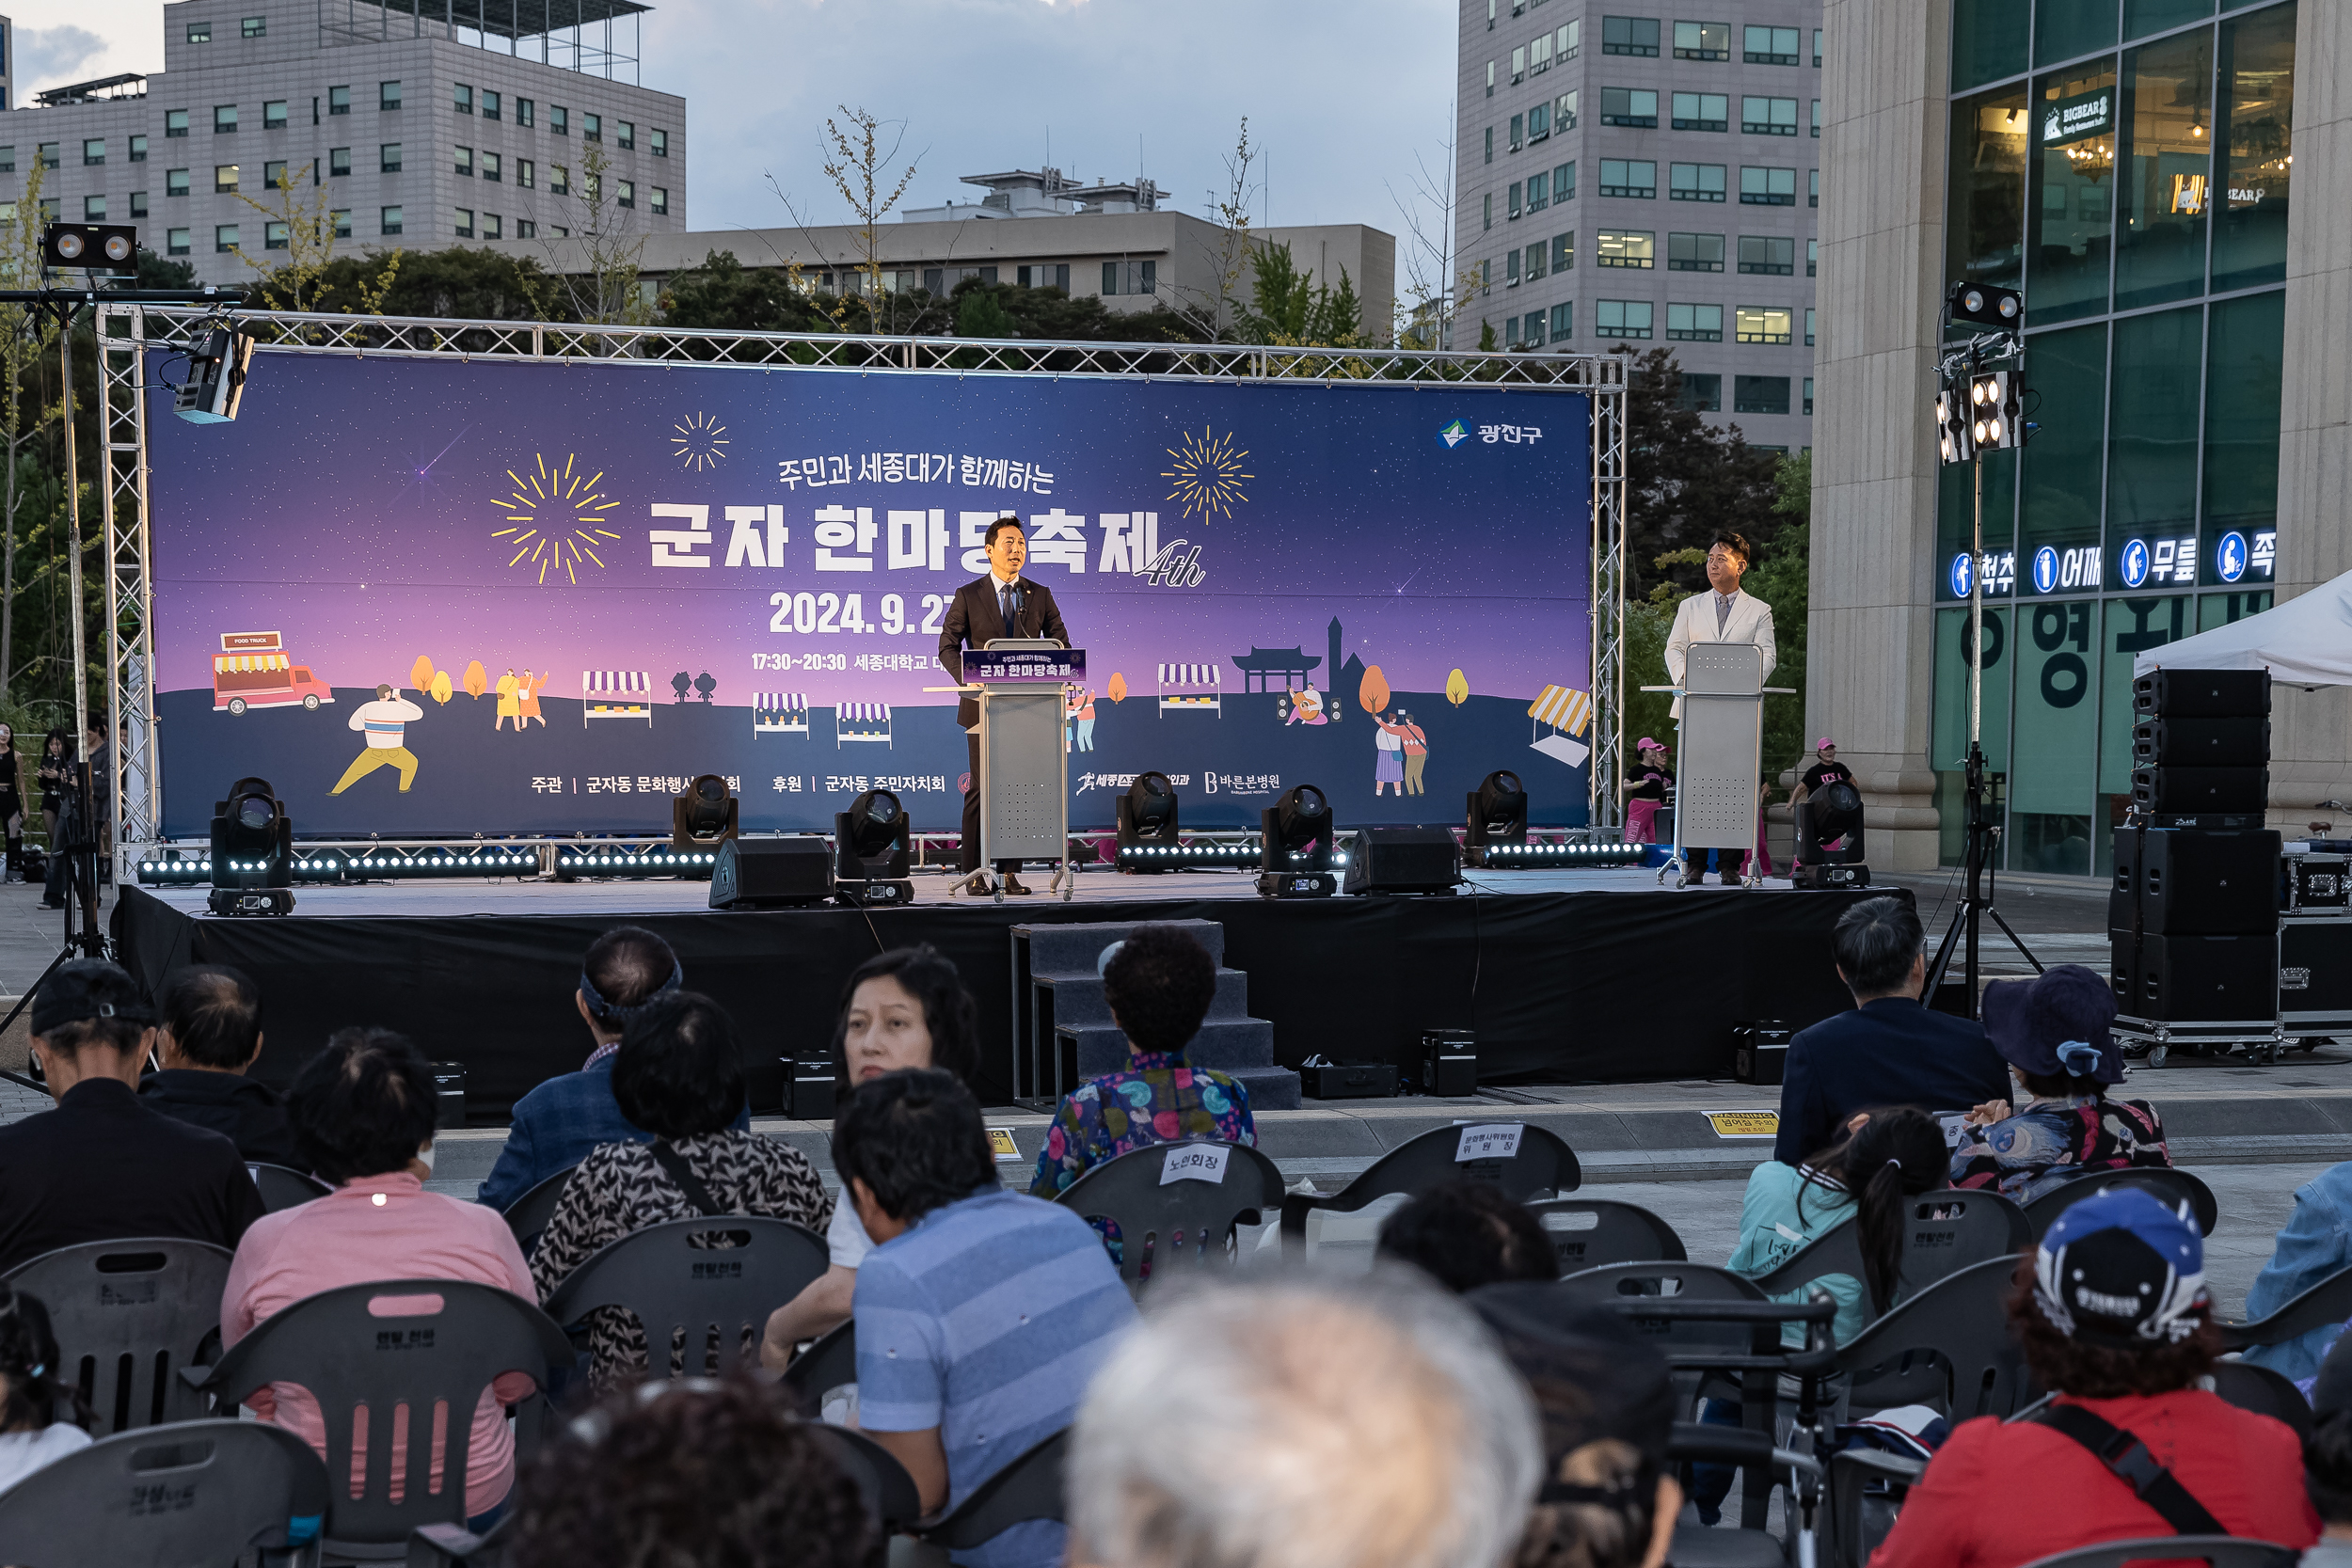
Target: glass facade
2132, 176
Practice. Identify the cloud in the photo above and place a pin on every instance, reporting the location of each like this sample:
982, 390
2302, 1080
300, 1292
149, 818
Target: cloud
53, 57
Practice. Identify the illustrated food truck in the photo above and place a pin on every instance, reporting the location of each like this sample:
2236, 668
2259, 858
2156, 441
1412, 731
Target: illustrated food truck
252, 671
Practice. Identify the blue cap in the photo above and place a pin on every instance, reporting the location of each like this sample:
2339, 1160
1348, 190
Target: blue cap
2120, 1268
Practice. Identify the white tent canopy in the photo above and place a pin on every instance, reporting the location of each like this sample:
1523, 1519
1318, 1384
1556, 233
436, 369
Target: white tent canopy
2304, 641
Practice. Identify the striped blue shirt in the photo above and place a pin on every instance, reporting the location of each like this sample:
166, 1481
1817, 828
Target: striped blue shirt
987, 1319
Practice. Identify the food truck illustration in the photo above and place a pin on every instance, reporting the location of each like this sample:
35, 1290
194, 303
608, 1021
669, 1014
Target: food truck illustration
252, 671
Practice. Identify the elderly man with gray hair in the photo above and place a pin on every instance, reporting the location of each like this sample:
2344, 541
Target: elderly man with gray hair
1301, 1421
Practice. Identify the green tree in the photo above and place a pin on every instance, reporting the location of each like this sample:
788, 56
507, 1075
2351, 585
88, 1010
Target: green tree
980, 314
1288, 307
725, 294
480, 284
1688, 481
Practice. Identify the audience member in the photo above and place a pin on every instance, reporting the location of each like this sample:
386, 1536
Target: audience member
1465, 1234
679, 1075
102, 1164
41, 1411
1305, 1421
2315, 1242
2053, 1032
694, 1471
362, 1111
904, 1009
2112, 1314
558, 1122
1606, 1401
1891, 1050
2328, 1463
210, 1039
981, 1313
1159, 983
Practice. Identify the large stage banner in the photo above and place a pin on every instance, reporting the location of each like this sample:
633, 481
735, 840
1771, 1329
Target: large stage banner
435, 597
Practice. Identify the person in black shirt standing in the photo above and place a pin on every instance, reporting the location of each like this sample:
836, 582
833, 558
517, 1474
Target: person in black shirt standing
102, 1166
210, 1039
1824, 773
1645, 788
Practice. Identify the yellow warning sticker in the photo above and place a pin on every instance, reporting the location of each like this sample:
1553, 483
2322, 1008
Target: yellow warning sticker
1745, 1124
1000, 1139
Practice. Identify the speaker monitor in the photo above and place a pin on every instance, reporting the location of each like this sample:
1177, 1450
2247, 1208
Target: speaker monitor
2315, 972
2201, 693
1449, 1063
2182, 790
2208, 979
771, 873
1760, 1051
2198, 883
1403, 860
2242, 742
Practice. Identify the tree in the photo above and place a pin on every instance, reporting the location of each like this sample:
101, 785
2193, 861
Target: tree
1433, 283
31, 338
1205, 311
601, 285
1288, 307
980, 314
480, 284
306, 229
725, 294
1781, 578
1687, 480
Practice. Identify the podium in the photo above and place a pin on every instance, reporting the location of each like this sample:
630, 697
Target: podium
1721, 757
1021, 686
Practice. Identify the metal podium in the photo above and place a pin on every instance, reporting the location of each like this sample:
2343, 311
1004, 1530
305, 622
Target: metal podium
1720, 757
1021, 684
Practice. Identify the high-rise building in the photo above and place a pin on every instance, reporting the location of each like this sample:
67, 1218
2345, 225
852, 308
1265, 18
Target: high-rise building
1648, 177
424, 130
7, 64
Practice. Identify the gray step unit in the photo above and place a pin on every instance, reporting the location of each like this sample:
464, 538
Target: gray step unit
1061, 970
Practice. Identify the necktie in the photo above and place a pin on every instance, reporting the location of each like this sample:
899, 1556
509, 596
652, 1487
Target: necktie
1008, 604
1723, 614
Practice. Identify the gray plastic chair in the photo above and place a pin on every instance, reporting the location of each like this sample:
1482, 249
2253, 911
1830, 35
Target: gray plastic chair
1619, 1232
2222, 1551
129, 1315
1544, 1165
529, 1214
671, 1285
2264, 1391
1859, 1517
1028, 1488
454, 1546
346, 1356
1948, 1346
2324, 1306
1171, 1227
284, 1187
1752, 1452
882, 1482
829, 1361
2167, 1184
234, 1486
1944, 1232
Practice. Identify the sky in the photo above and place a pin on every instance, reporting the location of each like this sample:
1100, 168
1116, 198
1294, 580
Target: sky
1347, 99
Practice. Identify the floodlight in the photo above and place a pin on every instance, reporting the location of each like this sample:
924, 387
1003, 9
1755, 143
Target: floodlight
1300, 847
1829, 814
96, 247
1953, 441
1497, 815
703, 815
1986, 304
1147, 821
872, 842
218, 364
1993, 412
252, 858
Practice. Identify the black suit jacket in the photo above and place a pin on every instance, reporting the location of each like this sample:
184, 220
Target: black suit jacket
974, 618
1887, 1052
246, 1112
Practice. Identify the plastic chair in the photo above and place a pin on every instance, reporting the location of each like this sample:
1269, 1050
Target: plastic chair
2324, 1306
529, 1214
1944, 1232
1619, 1232
232, 1486
1028, 1488
1543, 1163
284, 1187
1948, 1346
2264, 1391
2222, 1551
1171, 1223
1753, 1453
454, 1546
339, 1347
2167, 1184
671, 1285
888, 1491
829, 1361
129, 1315
1858, 1528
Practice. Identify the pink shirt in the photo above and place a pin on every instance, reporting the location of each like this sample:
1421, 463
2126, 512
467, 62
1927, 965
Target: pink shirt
379, 1227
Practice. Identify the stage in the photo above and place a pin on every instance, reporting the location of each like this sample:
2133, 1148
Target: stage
1566, 976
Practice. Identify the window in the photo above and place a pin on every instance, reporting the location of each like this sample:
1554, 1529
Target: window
1695, 324
1808, 343
493, 227
1768, 255
253, 27
274, 115
625, 135
175, 242
1694, 181
7, 160
1702, 41
1511, 205
1770, 46
526, 113
1701, 111
1487, 207
175, 181
935, 278
224, 119
48, 154
1491, 78
93, 152
1519, 66
489, 104
1539, 123
559, 120
462, 101
1564, 182
339, 101
1563, 321
1816, 46
1702, 393
1768, 187
1815, 121
1538, 193
1564, 251
1635, 106
138, 149
1808, 380
627, 194
1629, 35
1622, 318
1759, 394
1765, 323
1110, 278
175, 123
1636, 178
526, 173
50, 209
559, 180
93, 209
1537, 255
388, 158
340, 221
1518, 123
1813, 188
490, 166
465, 223
138, 204
1767, 117
1695, 253
200, 32
526, 230
338, 161
276, 236
1563, 112
1511, 269
1539, 54
390, 221
1812, 256
657, 143
223, 239
274, 174
591, 127
1567, 40
1625, 248
1490, 144
660, 203
388, 100
224, 178
1530, 333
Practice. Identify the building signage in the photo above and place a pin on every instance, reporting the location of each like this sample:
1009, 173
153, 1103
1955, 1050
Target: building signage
2228, 558
2136, 564
2070, 119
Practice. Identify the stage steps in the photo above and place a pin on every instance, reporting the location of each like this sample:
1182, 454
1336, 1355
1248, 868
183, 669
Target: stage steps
1068, 1034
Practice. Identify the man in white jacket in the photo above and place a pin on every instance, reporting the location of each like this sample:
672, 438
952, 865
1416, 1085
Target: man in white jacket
384, 722
1722, 614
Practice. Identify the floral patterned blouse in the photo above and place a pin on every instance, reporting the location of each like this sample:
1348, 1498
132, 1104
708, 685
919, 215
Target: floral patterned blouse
1160, 1098
2050, 1142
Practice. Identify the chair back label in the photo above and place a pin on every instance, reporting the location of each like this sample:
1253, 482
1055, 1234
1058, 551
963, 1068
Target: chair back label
1493, 1141
1194, 1163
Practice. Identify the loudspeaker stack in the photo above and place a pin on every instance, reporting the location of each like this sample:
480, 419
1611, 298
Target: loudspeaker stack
2193, 917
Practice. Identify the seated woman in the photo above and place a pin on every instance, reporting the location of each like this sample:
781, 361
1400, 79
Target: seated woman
2052, 1031
2328, 1461
1468, 1234
362, 1111
41, 1413
904, 1009
679, 1075
2112, 1315
1159, 983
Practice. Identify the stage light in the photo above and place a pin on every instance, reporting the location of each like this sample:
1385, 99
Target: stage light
1953, 441
1298, 846
872, 844
1497, 817
1986, 304
97, 247
218, 364
252, 852
1992, 410
702, 817
573, 862
1833, 813
1147, 820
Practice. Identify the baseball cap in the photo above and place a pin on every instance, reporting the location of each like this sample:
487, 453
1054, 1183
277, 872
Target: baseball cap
1825, 743
1646, 744
1592, 1375
87, 987
2056, 1023
2120, 1268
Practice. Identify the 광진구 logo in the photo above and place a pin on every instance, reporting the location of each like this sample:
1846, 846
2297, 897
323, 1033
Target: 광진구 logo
1452, 434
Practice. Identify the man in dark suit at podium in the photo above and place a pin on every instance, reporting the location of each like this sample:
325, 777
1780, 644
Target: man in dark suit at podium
1002, 603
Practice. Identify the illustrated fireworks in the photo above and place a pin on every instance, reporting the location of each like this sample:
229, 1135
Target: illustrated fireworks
1208, 474
555, 513
700, 442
